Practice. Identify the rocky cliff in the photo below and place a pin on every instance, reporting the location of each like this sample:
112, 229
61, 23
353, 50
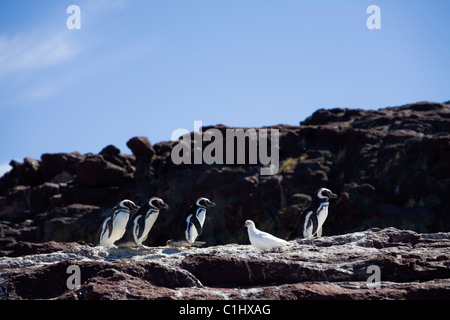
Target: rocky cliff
390, 167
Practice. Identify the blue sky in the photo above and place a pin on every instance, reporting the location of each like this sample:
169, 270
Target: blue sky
146, 67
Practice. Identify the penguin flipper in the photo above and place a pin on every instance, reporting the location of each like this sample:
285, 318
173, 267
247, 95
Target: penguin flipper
197, 225
138, 227
190, 236
315, 222
110, 225
106, 230
296, 230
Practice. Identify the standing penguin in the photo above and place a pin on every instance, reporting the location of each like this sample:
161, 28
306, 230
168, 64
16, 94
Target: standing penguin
312, 218
113, 227
191, 225
141, 222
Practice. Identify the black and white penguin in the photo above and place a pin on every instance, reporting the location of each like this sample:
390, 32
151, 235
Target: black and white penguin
311, 220
113, 227
191, 225
141, 222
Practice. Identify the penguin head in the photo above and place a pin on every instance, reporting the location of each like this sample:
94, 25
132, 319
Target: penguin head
157, 203
204, 202
325, 193
128, 204
249, 223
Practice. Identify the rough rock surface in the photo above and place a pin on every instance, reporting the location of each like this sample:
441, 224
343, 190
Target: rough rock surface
412, 266
390, 167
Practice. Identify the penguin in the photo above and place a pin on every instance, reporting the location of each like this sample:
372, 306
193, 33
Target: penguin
141, 222
260, 239
311, 220
191, 225
113, 227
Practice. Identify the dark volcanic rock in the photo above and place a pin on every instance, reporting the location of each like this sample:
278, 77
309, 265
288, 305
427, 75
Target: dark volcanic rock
57, 163
390, 167
141, 146
27, 173
72, 223
41, 196
112, 154
95, 171
110, 150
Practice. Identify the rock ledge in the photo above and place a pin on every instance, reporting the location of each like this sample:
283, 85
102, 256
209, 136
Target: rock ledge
412, 266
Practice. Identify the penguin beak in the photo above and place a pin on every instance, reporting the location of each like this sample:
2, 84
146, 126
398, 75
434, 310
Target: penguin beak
164, 206
333, 196
211, 204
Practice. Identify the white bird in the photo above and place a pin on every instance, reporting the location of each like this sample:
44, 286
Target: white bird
260, 239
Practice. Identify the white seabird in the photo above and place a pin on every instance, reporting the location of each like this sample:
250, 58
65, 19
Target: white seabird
260, 239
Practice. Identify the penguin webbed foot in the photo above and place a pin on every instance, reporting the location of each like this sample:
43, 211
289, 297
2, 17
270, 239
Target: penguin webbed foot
184, 244
198, 244
142, 247
176, 244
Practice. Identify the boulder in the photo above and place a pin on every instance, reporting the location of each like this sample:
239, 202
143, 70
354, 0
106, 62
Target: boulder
110, 150
28, 172
112, 154
55, 163
141, 146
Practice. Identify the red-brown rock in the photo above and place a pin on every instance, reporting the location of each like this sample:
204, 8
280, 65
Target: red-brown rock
141, 146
